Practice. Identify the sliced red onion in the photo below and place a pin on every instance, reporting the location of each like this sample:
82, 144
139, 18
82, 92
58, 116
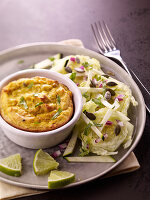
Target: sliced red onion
79, 69
98, 140
72, 59
77, 60
108, 123
56, 154
82, 67
85, 78
87, 146
77, 84
101, 85
105, 135
120, 97
62, 146
120, 123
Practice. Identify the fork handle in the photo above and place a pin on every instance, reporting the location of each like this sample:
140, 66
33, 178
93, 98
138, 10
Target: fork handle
144, 90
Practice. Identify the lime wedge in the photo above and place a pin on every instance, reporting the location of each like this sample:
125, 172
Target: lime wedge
43, 163
11, 165
59, 179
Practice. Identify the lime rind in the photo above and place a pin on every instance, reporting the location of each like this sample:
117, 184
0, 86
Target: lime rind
11, 165
58, 179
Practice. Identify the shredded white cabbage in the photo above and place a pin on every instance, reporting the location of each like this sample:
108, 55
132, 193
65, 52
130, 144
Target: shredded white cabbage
101, 138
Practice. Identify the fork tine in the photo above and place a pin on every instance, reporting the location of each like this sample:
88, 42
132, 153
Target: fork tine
111, 40
96, 38
101, 39
105, 38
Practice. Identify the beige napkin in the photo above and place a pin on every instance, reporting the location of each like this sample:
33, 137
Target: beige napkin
130, 164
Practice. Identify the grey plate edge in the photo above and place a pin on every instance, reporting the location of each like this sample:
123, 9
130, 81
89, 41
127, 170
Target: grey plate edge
118, 162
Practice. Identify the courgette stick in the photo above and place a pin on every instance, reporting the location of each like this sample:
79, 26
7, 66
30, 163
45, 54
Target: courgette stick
91, 159
93, 127
72, 142
47, 63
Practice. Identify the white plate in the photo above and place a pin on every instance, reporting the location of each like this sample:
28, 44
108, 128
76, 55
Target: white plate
33, 53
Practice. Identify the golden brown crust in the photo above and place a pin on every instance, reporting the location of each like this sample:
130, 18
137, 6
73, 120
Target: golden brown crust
36, 104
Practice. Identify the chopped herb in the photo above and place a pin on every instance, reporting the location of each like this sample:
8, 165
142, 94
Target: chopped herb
86, 64
97, 77
36, 122
97, 124
57, 114
51, 58
20, 61
58, 99
85, 95
98, 102
30, 85
36, 94
38, 104
84, 151
104, 88
87, 128
23, 102
73, 76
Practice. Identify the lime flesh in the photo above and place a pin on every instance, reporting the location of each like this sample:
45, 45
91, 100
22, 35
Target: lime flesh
11, 165
59, 179
43, 163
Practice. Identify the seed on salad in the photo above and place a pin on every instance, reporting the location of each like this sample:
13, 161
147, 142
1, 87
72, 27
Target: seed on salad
91, 116
111, 83
79, 69
111, 91
66, 63
106, 75
77, 60
107, 95
117, 129
93, 83
68, 69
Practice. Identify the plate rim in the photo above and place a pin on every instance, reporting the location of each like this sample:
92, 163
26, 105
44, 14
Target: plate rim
22, 46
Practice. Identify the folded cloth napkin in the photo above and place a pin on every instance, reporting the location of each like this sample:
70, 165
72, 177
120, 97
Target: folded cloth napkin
130, 164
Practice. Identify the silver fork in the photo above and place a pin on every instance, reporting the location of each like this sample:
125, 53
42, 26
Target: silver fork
107, 47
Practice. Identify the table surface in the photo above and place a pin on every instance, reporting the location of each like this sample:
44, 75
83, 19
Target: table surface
51, 21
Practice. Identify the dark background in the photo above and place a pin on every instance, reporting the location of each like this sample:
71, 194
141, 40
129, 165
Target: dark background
26, 21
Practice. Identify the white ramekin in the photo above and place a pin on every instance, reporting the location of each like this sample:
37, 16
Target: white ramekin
36, 140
